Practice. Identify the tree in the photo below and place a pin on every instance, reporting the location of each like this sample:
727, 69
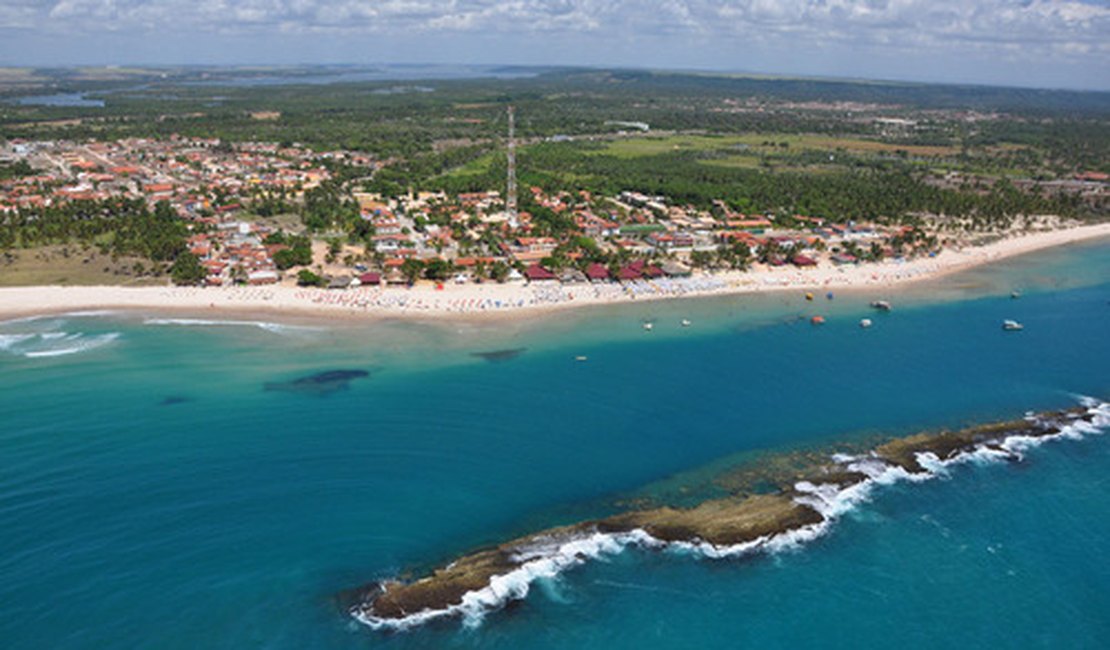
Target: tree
411, 269
438, 269
701, 259
187, 270
306, 278
499, 271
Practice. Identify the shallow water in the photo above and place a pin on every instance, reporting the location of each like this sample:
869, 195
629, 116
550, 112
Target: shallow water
153, 493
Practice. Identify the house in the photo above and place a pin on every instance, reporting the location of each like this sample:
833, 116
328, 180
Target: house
675, 270
670, 241
537, 273
628, 274
572, 276
262, 276
597, 273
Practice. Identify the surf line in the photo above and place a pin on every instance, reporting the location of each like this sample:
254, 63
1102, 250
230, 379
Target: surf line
800, 511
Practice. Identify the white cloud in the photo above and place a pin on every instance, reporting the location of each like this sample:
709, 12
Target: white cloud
1033, 30
993, 20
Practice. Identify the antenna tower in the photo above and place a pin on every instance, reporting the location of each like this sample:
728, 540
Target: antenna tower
510, 190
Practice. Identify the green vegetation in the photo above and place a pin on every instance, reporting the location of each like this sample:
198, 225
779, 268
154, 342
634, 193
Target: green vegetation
118, 227
187, 270
866, 151
306, 278
16, 170
298, 251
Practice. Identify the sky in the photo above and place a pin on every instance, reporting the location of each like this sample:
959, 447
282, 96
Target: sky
1040, 43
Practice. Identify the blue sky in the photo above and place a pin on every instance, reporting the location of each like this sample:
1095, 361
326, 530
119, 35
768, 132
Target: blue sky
1043, 43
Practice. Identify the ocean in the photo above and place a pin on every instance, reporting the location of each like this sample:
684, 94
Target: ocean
183, 483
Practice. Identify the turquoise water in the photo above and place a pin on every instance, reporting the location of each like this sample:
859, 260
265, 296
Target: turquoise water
153, 494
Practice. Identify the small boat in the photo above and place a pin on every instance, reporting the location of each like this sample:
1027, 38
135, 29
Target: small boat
809, 296
829, 295
865, 323
686, 322
648, 326
817, 320
1012, 326
1015, 294
881, 305
581, 357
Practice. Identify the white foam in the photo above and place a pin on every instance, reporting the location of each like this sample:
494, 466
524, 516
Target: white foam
91, 313
59, 317
548, 558
77, 343
9, 341
544, 559
276, 328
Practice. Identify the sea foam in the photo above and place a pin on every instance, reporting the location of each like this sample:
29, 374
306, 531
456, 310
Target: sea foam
70, 344
276, 328
545, 559
34, 345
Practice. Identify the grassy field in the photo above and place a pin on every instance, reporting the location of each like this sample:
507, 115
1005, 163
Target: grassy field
51, 265
764, 144
475, 167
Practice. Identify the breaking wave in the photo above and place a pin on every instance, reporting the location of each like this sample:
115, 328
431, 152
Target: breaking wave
276, 328
53, 344
548, 558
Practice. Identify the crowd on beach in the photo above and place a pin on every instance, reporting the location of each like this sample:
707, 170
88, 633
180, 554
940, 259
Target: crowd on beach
506, 298
517, 297
459, 300
476, 299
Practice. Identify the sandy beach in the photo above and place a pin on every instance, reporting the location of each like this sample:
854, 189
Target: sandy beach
491, 300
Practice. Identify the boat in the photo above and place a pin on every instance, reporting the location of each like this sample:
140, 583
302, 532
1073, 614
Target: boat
648, 326
581, 357
686, 322
1012, 325
881, 305
817, 320
829, 295
865, 323
1015, 294
809, 296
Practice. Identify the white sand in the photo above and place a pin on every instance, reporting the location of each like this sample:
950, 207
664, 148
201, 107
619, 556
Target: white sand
494, 300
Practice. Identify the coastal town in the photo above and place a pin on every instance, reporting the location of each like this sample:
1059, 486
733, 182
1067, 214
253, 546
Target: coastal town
472, 237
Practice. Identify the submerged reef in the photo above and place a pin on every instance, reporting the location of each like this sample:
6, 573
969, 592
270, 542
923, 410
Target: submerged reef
322, 383
797, 500
496, 356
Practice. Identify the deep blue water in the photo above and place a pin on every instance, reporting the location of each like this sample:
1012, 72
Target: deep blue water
228, 516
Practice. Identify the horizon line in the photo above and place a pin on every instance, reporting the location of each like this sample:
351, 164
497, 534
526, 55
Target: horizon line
719, 72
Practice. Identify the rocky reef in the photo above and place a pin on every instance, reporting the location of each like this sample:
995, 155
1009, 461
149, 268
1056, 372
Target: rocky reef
498, 356
809, 491
321, 383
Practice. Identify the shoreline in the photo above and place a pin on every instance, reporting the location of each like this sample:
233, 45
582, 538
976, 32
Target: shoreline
494, 302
